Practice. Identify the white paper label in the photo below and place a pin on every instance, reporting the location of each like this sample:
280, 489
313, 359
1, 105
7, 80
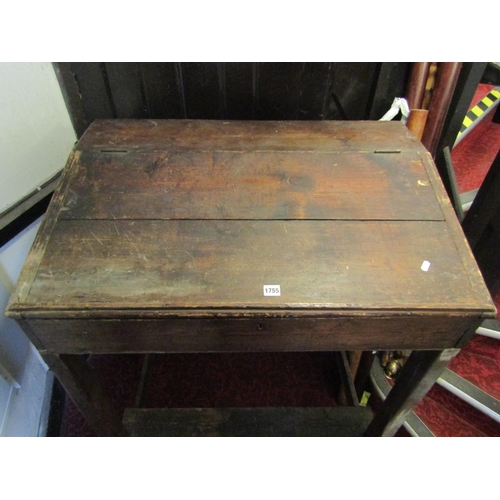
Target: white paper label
425, 265
272, 290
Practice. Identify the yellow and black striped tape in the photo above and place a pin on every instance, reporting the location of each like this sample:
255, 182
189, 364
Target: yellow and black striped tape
478, 111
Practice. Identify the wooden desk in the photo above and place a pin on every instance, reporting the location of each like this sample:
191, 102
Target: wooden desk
163, 236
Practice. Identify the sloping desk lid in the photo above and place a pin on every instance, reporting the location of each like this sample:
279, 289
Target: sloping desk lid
205, 215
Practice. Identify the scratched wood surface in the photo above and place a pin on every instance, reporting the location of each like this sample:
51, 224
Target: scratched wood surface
162, 235
122, 135
176, 184
199, 215
214, 263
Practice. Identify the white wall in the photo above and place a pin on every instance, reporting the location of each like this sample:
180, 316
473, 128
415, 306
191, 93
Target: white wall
36, 137
23, 373
36, 134
13, 342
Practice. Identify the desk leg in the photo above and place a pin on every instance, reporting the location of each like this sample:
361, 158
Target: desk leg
83, 387
418, 375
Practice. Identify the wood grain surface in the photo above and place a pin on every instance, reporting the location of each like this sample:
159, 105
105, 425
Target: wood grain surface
164, 233
196, 264
257, 331
247, 135
182, 215
248, 422
174, 184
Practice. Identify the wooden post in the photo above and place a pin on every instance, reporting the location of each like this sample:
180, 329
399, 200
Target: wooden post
446, 81
416, 84
83, 387
348, 366
416, 121
429, 85
418, 375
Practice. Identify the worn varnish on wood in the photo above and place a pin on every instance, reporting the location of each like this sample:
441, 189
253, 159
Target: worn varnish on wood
198, 216
205, 184
162, 235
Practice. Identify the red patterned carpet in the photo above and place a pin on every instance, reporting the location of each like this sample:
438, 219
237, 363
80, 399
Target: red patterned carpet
448, 416
473, 156
213, 380
479, 361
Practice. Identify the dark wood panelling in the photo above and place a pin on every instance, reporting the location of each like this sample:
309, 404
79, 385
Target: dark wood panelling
127, 89
315, 93
279, 89
238, 91
163, 90
201, 90
94, 88
352, 84
389, 82
72, 97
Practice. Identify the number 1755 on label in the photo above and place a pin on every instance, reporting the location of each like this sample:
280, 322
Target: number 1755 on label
272, 290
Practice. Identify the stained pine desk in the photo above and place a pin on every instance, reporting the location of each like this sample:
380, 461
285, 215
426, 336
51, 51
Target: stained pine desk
212, 236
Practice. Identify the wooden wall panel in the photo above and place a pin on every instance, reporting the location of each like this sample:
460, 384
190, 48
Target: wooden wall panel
94, 90
390, 82
238, 91
352, 84
127, 90
240, 88
315, 95
279, 89
163, 90
201, 90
